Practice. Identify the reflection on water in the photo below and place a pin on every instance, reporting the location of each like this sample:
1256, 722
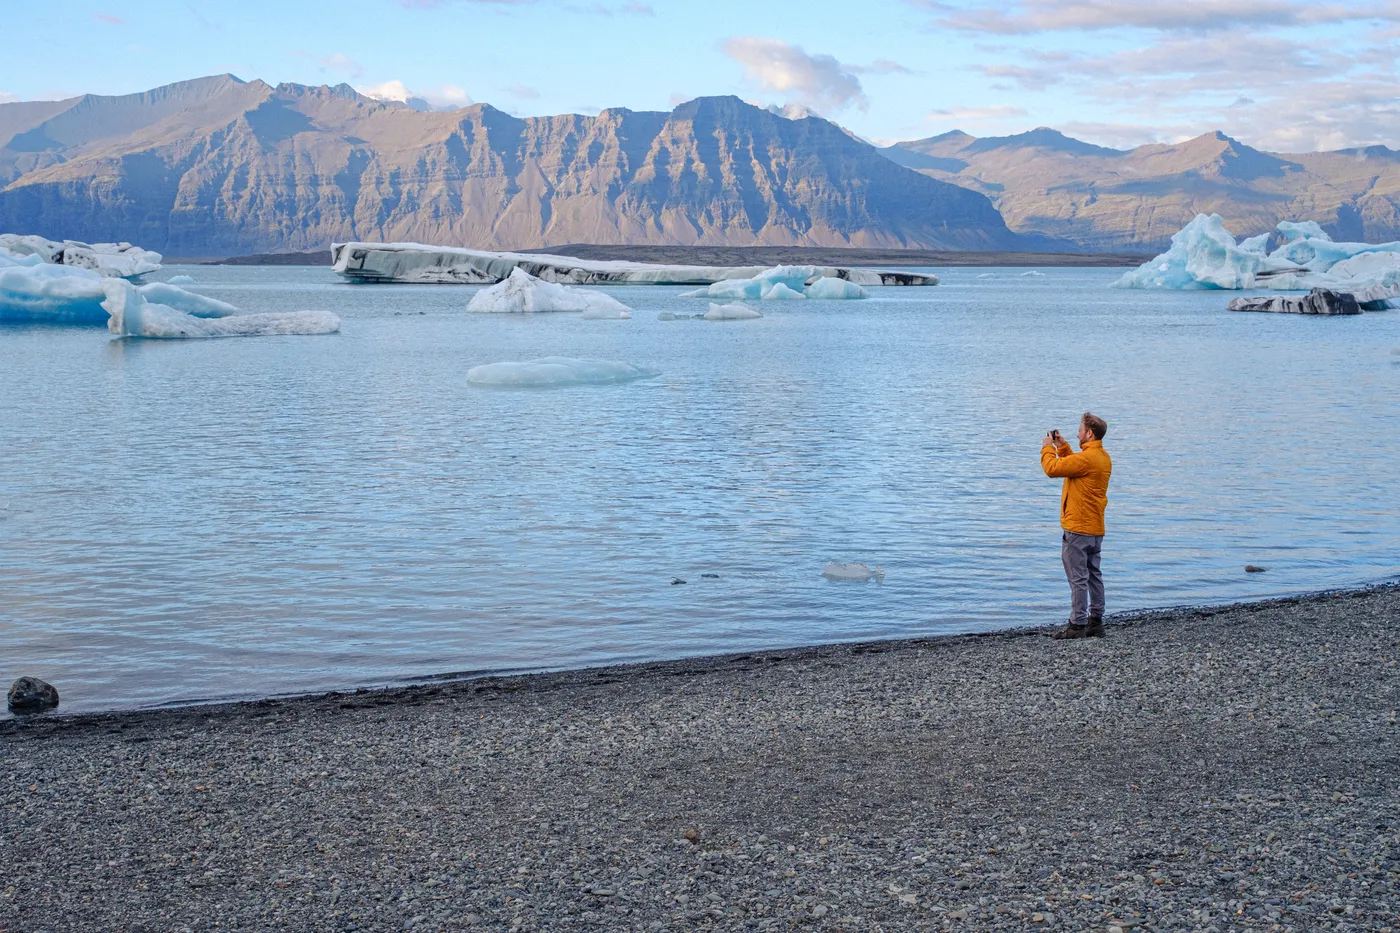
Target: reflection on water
199, 519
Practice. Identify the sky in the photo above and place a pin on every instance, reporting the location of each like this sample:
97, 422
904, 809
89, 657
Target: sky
1283, 75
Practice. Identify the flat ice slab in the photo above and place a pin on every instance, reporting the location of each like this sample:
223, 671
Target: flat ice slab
166, 312
447, 265
731, 313
553, 371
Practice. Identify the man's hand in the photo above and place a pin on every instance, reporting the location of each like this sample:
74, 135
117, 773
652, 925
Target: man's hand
1050, 440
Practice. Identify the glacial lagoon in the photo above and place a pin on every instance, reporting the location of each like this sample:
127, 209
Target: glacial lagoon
199, 520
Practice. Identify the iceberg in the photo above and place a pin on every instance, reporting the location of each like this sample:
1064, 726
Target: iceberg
731, 313
553, 371
181, 280
834, 289
781, 292
164, 311
1204, 254
35, 292
1317, 301
786, 283
446, 265
111, 260
856, 572
523, 293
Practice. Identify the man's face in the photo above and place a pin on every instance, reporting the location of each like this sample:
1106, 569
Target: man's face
1085, 435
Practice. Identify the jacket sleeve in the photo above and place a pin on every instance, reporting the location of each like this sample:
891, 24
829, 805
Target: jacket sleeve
1065, 464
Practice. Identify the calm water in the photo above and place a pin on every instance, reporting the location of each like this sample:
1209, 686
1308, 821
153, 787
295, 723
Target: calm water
227, 518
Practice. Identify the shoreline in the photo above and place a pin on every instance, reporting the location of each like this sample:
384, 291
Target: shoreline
1213, 767
409, 686
746, 256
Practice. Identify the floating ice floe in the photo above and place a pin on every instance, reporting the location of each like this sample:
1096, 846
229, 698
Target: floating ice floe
853, 572
416, 262
553, 371
522, 292
1204, 254
181, 280
784, 283
1033, 272
987, 275
112, 260
164, 311
829, 288
731, 313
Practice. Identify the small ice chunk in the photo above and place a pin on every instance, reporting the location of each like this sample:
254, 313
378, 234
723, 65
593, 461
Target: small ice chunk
730, 313
1033, 272
854, 572
164, 311
552, 371
522, 293
779, 291
697, 293
605, 313
666, 316
987, 275
181, 280
831, 288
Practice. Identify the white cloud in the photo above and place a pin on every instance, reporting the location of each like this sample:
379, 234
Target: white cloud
775, 65
7, 98
444, 97
1039, 16
978, 114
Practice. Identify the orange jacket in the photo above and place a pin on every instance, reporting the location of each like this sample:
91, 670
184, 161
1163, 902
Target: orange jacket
1085, 493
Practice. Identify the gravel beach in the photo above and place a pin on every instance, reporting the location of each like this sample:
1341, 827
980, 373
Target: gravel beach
1233, 768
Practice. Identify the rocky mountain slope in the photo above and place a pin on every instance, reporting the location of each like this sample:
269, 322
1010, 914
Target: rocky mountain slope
1106, 199
219, 166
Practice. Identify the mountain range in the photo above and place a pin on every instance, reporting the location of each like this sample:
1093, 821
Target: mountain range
1108, 199
218, 166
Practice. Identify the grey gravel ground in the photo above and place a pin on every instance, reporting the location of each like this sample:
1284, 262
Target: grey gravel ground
1222, 769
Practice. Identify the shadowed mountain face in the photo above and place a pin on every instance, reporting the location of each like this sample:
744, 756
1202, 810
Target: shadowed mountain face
219, 166
1106, 199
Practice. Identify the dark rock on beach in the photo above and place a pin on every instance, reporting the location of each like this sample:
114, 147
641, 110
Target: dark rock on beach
1229, 768
31, 695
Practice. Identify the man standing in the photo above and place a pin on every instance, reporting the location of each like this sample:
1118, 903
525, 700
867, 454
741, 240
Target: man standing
1082, 503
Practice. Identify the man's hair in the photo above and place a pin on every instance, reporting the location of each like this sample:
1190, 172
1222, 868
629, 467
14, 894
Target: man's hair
1096, 425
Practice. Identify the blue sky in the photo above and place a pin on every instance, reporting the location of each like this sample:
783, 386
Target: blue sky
1291, 75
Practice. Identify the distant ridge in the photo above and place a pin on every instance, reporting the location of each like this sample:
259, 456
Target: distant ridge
219, 166
1102, 199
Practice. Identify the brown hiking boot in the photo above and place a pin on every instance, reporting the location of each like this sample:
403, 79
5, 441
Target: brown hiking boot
1072, 631
1095, 627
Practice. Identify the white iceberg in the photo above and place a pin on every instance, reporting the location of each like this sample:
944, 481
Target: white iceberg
855, 572
786, 283
110, 260
781, 292
164, 311
1033, 272
731, 313
987, 275
523, 293
416, 262
604, 313
181, 280
552, 371
830, 288
1204, 254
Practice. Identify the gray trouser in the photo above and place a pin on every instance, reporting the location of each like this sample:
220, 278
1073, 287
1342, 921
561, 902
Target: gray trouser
1080, 554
